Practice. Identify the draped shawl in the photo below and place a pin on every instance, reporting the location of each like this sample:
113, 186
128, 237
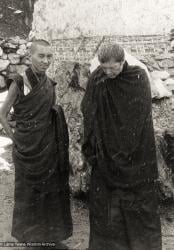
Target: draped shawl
118, 128
41, 131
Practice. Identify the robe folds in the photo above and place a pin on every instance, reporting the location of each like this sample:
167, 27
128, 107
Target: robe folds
42, 203
119, 145
118, 127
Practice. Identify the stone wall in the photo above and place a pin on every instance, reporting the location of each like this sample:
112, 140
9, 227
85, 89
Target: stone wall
153, 50
14, 57
83, 49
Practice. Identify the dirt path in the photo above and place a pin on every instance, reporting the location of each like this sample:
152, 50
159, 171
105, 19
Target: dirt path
79, 240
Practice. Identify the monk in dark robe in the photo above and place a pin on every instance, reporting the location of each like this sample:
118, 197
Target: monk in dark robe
41, 201
120, 147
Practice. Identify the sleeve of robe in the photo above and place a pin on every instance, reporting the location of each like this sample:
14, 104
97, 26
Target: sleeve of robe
15, 77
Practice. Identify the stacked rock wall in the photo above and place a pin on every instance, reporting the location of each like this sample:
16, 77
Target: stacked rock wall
83, 49
14, 57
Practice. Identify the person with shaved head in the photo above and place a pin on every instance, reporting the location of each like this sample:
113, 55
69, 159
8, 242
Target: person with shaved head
119, 146
40, 153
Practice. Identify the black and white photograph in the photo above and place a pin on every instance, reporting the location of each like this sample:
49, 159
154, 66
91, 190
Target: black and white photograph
86, 124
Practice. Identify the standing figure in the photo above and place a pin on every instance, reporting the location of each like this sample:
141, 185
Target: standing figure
40, 154
74, 83
119, 144
74, 78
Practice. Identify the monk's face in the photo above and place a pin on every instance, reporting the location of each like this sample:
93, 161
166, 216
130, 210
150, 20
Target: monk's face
112, 68
41, 58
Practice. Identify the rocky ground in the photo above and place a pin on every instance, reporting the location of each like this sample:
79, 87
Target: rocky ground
79, 240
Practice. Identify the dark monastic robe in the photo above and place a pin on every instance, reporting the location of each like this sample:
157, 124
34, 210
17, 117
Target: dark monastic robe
119, 144
118, 127
42, 204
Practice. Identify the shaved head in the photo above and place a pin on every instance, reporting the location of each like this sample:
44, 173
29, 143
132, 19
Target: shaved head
37, 42
41, 55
